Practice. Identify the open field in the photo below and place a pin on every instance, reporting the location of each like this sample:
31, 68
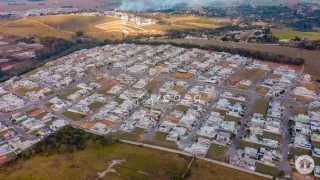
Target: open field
159, 139
73, 23
266, 169
261, 106
311, 65
197, 21
253, 75
202, 170
140, 163
74, 116
290, 34
152, 85
25, 27
179, 75
217, 152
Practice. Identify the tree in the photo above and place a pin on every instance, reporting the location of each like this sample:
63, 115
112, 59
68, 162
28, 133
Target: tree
79, 33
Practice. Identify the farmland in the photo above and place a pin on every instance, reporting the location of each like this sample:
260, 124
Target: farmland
290, 34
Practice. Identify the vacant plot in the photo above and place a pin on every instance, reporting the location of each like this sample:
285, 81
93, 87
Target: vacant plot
67, 93
207, 171
262, 90
299, 110
159, 139
179, 89
108, 87
232, 118
312, 86
266, 169
24, 91
253, 75
270, 135
139, 163
179, 75
74, 116
221, 111
136, 135
152, 85
299, 151
217, 152
261, 106
244, 144
95, 105
182, 108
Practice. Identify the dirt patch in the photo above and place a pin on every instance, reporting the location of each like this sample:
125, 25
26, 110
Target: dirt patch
110, 169
182, 75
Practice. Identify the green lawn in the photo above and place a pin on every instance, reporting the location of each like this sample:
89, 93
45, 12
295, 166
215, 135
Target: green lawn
73, 116
261, 106
285, 36
95, 105
217, 152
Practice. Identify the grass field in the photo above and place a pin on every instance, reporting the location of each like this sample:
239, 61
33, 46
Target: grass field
290, 34
95, 105
159, 139
261, 106
140, 163
202, 170
73, 116
253, 75
217, 152
136, 134
265, 169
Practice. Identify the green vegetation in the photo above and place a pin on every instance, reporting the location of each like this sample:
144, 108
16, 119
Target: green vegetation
95, 105
74, 116
135, 135
206, 171
139, 163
